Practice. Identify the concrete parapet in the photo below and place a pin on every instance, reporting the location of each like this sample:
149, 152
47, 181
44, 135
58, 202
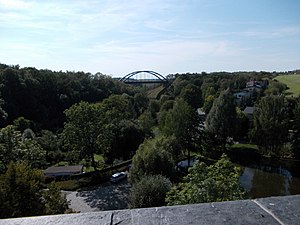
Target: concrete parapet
273, 210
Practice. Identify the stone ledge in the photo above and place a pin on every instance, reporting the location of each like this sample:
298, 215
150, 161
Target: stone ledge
273, 210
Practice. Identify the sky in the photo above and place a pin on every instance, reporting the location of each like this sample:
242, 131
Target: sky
116, 37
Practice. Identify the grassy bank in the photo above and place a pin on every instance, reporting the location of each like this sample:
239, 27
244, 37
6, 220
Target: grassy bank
293, 82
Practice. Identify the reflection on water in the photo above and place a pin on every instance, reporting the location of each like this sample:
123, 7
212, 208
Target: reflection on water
265, 181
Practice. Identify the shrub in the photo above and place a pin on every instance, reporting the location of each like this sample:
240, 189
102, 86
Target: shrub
150, 191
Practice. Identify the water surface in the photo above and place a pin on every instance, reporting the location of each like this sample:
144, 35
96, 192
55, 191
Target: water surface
264, 179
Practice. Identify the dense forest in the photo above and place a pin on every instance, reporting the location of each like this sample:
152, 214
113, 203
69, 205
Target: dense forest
60, 118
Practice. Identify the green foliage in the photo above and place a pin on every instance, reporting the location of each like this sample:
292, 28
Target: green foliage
222, 116
141, 102
117, 107
150, 191
217, 182
21, 124
242, 124
125, 140
3, 114
81, 132
21, 190
270, 124
121, 135
51, 143
55, 203
146, 122
14, 147
296, 128
152, 158
22, 194
42, 95
208, 103
192, 95
275, 88
183, 122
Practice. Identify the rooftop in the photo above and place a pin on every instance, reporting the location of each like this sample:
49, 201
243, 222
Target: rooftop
64, 169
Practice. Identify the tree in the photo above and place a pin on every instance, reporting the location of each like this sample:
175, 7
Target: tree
22, 193
126, 138
146, 122
275, 88
3, 114
51, 143
270, 124
54, 202
296, 139
192, 95
150, 191
15, 147
21, 124
117, 108
82, 130
217, 182
118, 114
222, 116
208, 103
21, 187
141, 102
183, 122
151, 158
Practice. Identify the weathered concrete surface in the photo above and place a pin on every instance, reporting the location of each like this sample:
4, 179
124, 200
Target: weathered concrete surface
286, 209
274, 210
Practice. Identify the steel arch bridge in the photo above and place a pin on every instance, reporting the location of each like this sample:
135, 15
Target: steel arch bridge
159, 78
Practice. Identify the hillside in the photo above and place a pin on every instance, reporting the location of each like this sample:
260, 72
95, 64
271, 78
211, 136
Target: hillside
153, 93
293, 82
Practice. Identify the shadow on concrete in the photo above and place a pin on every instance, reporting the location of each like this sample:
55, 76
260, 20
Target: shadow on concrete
107, 196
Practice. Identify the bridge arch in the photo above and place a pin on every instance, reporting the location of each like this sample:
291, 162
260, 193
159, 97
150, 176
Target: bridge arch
161, 78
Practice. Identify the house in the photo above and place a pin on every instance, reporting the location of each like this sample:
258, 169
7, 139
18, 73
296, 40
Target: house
256, 85
61, 171
241, 96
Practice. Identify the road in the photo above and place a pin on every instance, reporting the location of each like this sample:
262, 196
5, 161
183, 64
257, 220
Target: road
103, 197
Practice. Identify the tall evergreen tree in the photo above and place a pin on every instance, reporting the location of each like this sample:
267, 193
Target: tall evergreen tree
222, 116
184, 123
270, 124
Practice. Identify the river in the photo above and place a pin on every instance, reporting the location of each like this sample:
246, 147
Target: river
266, 178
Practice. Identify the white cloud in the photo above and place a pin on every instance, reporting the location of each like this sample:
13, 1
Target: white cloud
278, 32
15, 4
115, 36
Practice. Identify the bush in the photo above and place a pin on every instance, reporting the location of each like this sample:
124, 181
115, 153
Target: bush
150, 191
150, 159
217, 182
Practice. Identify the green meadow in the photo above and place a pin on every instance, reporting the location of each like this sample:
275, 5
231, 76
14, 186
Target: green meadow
293, 82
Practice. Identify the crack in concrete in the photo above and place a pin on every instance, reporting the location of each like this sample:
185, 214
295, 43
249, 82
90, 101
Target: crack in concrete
268, 211
112, 219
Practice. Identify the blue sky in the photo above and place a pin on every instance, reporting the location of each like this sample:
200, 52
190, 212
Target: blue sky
116, 37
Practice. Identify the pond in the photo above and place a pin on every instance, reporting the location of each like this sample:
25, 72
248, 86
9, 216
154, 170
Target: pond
265, 178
